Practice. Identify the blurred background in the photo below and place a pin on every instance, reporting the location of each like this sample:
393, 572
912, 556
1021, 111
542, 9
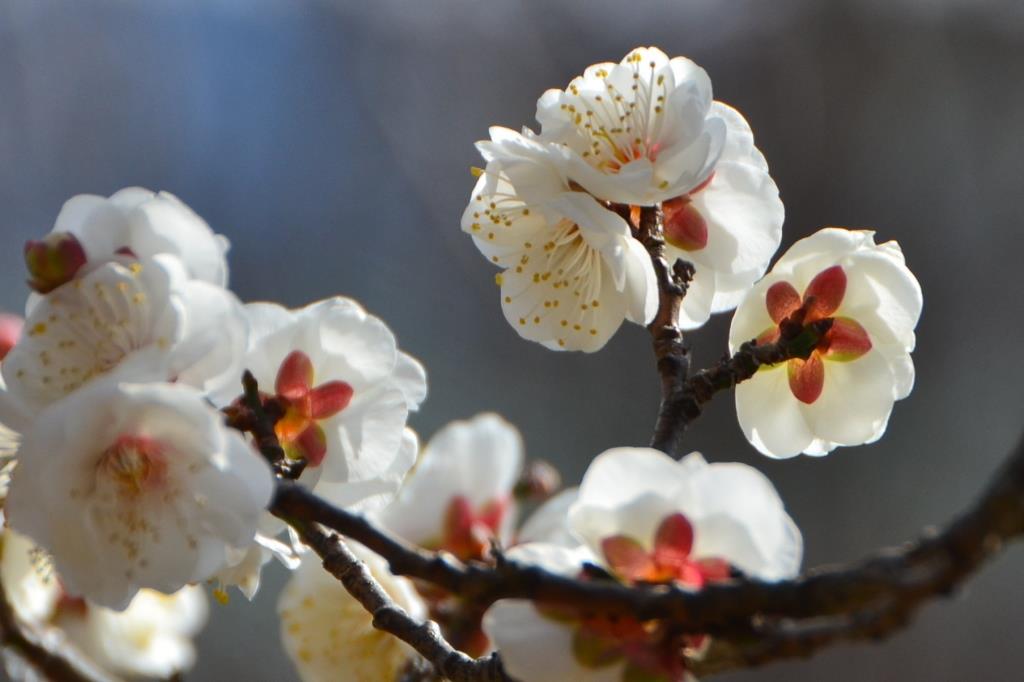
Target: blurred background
331, 141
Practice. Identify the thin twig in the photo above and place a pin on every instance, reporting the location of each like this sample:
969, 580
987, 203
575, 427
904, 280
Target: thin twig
686, 399
424, 637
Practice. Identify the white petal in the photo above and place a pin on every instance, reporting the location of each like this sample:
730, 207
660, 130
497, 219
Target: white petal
770, 415
330, 637
855, 402
549, 523
742, 518
479, 460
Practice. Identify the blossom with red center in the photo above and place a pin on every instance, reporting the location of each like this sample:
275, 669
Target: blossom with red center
347, 392
843, 393
645, 132
668, 560
459, 496
845, 340
136, 486
645, 518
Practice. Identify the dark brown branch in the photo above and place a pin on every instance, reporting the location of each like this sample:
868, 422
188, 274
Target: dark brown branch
686, 399
670, 351
764, 621
424, 637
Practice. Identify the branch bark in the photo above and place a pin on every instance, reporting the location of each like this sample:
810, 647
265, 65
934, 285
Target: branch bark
760, 621
424, 637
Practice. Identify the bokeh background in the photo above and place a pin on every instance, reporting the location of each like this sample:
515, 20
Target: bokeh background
331, 142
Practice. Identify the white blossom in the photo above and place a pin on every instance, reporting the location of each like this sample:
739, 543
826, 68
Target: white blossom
550, 522
459, 496
571, 269
844, 392
646, 131
645, 518
330, 637
133, 223
145, 320
649, 517
347, 390
151, 638
136, 486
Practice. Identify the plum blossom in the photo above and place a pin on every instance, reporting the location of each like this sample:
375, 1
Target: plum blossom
136, 486
330, 637
646, 131
145, 320
644, 517
550, 522
843, 393
151, 638
133, 223
571, 269
459, 496
346, 391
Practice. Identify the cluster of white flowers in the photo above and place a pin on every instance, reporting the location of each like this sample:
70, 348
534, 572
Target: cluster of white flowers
129, 487
551, 210
125, 473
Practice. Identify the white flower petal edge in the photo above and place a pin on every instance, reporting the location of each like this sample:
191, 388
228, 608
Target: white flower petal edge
330, 637
742, 215
132, 486
29, 584
534, 647
733, 509
550, 522
475, 463
144, 223
361, 447
143, 321
873, 294
151, 638
641, 131
572, 271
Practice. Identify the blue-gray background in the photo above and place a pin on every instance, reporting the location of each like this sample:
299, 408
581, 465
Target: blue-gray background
331, 142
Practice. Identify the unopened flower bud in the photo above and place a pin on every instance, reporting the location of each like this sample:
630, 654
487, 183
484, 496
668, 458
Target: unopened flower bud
53, 260
539, 481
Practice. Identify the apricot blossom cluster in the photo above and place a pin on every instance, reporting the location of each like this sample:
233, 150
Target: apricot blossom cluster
139, 469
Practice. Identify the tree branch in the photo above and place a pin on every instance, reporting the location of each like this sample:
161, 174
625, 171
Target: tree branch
670, 351
762, 621
424, 637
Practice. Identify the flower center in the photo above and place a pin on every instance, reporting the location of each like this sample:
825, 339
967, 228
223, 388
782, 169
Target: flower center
467, 532
668, 561
299, 430
135, 465
652, 652
846, 340
620, 126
